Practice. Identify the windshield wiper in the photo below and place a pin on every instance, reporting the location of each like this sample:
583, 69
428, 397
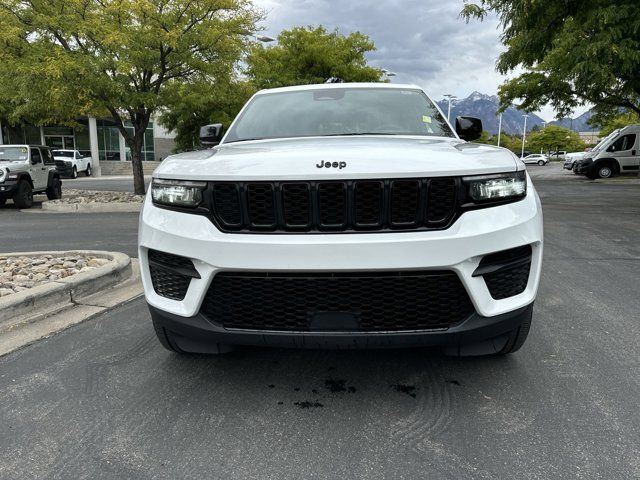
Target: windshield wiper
246, 140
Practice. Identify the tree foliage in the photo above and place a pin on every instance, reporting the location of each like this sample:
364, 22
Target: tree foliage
619, 121
311, 55
195, 106
574, 52
553, 138
124, 58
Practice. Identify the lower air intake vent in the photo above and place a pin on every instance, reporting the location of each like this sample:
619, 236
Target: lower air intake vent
171, 274
506, 273
378, 301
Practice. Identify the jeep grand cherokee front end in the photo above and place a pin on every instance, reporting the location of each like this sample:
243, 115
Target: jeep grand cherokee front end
342, 216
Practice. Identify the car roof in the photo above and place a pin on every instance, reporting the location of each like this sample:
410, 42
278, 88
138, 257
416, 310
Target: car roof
325, 86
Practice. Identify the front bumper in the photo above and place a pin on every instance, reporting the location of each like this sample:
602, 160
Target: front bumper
460, 249
475, 336
8, 188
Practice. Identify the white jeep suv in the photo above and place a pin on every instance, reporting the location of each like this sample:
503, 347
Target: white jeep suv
26, 170
342, 216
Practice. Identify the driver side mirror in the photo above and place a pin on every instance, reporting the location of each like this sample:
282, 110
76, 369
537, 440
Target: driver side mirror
468, 128
210, 135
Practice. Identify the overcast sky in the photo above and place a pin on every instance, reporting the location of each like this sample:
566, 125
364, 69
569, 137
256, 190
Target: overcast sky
422, 41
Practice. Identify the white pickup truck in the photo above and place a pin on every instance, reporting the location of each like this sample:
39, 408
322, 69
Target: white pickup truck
71, 162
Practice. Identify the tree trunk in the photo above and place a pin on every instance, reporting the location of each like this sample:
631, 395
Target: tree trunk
136, 164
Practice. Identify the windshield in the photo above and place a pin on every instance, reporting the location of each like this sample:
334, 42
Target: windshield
14, 154
605, 140
63, 153
339, 111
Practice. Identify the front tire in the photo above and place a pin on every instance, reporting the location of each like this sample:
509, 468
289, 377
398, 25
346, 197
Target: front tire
604, 171
87, 172
74, 173
54, 192
541, 162
3, 201
518, 336
23, 198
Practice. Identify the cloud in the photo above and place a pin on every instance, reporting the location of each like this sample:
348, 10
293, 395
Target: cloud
422, 41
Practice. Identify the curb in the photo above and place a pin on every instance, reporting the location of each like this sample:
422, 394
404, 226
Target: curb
91, 207
53, 296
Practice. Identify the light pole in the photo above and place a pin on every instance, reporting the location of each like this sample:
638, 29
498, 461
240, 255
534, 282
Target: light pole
499, 128
524, 134
450, 97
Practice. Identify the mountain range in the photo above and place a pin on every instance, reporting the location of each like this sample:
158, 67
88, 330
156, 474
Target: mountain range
485, 107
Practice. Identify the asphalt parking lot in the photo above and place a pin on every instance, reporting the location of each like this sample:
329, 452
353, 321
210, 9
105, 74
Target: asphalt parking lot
104, 400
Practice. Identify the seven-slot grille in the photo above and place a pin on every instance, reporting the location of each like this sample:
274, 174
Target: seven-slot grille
335, 206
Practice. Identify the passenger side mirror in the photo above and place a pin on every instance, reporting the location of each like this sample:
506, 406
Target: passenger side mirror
468, 128
210, 135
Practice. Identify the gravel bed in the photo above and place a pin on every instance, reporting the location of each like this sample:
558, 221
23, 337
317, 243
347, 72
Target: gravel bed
20, 273
73, 196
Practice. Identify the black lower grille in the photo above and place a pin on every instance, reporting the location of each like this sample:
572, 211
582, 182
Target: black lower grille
335, 206
506, 273
377, 301
170, 274
169, 284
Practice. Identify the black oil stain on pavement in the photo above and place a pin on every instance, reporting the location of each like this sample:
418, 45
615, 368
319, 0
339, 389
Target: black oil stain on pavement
406, 389
338, 386
308, 404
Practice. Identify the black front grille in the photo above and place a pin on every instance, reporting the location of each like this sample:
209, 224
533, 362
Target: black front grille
380, 301
335, 206
511, 271
170, 274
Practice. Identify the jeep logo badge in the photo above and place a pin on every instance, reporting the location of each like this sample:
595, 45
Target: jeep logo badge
338, 165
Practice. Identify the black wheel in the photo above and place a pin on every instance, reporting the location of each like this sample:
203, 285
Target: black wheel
2, 202
541, 162
518, 336
74, 173
604, 171
87, 172
54, 191
23, 198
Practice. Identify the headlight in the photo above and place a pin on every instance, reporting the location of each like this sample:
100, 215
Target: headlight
177, 193
496, 188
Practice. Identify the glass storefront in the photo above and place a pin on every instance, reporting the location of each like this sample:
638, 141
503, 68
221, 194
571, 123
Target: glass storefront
78, 138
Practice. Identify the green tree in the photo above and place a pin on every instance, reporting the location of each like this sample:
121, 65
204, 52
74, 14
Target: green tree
196, 106
553, 138
311, 55
486, 138
123, 58
573, 52
618, 121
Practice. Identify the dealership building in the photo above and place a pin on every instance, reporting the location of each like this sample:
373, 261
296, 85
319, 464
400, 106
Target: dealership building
98, 138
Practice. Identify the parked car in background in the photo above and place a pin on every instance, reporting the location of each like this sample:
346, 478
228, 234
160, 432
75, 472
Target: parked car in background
536, 158
570, 159
71, 162
559, 155
617, 153
26, 170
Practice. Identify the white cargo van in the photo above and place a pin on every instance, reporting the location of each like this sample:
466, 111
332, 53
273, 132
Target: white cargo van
618, 153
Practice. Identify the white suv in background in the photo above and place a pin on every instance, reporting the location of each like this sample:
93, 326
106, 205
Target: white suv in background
536, 159
342, 216
72, 162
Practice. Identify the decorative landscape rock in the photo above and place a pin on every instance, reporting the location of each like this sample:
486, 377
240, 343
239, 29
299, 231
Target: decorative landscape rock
72, 196
23, 272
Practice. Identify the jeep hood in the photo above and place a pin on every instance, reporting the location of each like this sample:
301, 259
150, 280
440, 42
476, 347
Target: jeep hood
365, 157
